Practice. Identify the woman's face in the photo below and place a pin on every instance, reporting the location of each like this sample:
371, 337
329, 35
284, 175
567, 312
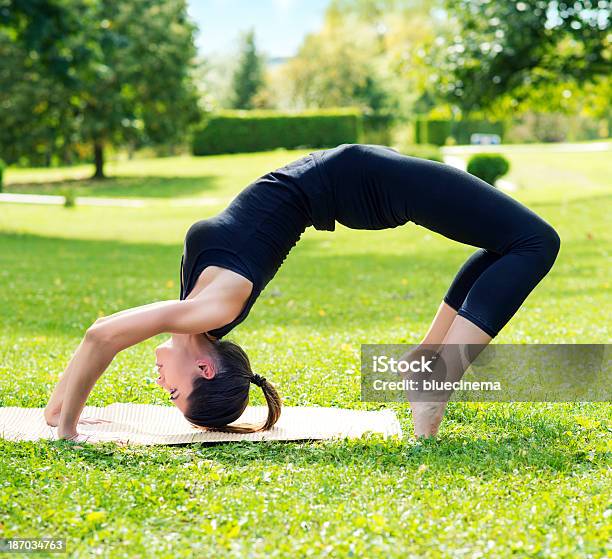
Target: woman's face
179, 361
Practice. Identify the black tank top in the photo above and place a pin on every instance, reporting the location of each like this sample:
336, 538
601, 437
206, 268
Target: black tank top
254, 234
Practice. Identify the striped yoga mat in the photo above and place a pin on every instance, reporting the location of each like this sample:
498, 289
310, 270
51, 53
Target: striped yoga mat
148, 424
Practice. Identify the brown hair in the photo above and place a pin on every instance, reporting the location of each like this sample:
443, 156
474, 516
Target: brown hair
214, 403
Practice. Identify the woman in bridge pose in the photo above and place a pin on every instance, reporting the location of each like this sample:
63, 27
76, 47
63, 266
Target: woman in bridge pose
228, 260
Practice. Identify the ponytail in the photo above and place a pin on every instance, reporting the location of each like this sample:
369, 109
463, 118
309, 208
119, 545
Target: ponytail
273, 401
214, 404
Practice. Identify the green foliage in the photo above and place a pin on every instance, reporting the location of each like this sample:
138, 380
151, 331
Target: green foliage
97, 71
419, 130
2, 167
69, 195
48, 29
377, 128
432, 131
517, 47
488, 166
436, 131
342, 65
425, 151
34, 107
233, 132
248, 77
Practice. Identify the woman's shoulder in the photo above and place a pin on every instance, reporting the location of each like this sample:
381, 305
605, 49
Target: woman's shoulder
200, 227
231, 291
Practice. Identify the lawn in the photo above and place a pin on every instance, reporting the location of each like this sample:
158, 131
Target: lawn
502, 480
167, 177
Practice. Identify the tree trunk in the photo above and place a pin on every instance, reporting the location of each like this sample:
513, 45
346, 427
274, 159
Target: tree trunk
66, 155
99, 159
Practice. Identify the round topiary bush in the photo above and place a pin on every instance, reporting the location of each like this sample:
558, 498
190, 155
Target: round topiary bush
488, 166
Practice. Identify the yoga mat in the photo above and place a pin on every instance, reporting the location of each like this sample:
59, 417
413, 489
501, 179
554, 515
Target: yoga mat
148, 424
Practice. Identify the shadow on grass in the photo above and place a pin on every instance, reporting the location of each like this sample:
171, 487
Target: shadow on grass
125, 187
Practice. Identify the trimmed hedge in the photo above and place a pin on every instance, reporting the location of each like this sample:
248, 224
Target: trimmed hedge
377, 128
436, 131
420, 134
463, 129
247, 131
488, 166
432, 131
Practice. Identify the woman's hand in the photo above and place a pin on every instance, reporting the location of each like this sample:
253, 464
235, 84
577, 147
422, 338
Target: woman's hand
92, 421
90, 360
52, 417
54, 406
92, 438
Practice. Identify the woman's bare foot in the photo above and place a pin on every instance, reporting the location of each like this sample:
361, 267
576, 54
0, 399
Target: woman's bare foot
426, 417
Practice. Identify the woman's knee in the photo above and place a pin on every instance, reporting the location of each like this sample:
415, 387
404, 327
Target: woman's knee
550, 243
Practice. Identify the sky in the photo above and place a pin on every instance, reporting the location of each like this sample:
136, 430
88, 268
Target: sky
280, 25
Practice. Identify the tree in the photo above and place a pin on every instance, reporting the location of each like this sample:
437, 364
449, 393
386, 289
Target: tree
32, 108
124, 67
248, 77
364, 55
517, 47
336, 67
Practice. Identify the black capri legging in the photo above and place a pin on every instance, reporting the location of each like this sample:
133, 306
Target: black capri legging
376, 187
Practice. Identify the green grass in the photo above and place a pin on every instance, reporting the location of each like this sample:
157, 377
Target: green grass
166, 177
561, 176
503, 480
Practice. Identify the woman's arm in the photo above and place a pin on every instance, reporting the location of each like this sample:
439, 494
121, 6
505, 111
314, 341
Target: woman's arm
191, 316
108, 336
54, 406
130, 311
88, 363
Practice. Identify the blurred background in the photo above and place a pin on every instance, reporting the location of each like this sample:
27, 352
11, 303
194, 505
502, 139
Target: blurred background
86, 81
